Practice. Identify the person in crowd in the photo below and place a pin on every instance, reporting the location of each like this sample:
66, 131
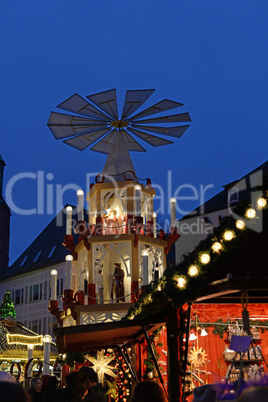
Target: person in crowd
35, 389
11, 391
254, 394
95, 392
49, 393
148, 391
77, 385
4, 376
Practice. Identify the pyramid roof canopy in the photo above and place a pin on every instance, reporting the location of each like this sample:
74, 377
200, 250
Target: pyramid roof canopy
119, 161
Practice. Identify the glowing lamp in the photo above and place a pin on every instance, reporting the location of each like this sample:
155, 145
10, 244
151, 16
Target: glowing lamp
261, 202
54, 274
228, 235
250, 213
69, 211
173, 211
181, 282
205, 258
47, 338
137, 197
193, 270
203, 332
80, 204
69, 260
216, 246
240, 224
192, 337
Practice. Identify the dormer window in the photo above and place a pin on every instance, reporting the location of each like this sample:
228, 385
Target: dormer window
37, 256
51, 252
23, 261
233, 195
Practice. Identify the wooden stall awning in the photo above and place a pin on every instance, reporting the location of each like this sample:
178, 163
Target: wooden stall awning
97, 336
229, 291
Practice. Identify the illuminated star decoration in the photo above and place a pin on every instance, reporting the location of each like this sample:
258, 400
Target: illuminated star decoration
101, 365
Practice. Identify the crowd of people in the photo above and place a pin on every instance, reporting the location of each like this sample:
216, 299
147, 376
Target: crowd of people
83, 385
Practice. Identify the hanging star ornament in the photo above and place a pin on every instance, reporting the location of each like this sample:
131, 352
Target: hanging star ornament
101, 365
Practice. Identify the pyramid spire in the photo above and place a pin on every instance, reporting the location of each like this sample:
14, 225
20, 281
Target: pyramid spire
118, 160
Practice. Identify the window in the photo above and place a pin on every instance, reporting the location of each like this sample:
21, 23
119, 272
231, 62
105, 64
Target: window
59, 286
36, 292
37, 256
17, 296
233, 195
35, 326
23, 261
51, 252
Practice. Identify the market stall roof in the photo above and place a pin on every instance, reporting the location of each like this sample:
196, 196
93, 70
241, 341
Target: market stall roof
230, 290
14, 339
98, 336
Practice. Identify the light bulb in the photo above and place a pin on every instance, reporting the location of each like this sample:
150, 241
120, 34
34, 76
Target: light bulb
216, 247
261, 202
228, 235
250, 213
205, 258
240, 224
181, 282
193, 270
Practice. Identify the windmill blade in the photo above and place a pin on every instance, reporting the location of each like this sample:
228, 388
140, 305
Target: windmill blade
174, 118
135, 99
150, 139
105, 144
79, 105
64, 125
106, 101
162, 106
177, 131
83, 141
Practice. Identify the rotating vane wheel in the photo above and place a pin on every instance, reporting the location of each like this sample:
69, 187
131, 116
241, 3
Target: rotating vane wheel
96, 121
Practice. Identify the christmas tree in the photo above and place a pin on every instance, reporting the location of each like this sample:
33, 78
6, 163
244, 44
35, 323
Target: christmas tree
7, 307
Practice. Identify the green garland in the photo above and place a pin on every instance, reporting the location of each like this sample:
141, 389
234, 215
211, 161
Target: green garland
166, 291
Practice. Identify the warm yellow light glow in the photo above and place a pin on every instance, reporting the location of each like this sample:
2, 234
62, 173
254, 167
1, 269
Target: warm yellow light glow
240, 224
193, 270
261, 202
47, 338
69, 209
159, 288
192, 337
54, 272
181, 282
101, 365
154, 215
205, 258
69, 257
137, 187
228, 235
216, 246
250, 213
24, 339
172, 199
80, 192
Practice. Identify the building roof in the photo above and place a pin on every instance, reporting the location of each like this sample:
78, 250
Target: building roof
46, 250
220, 200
